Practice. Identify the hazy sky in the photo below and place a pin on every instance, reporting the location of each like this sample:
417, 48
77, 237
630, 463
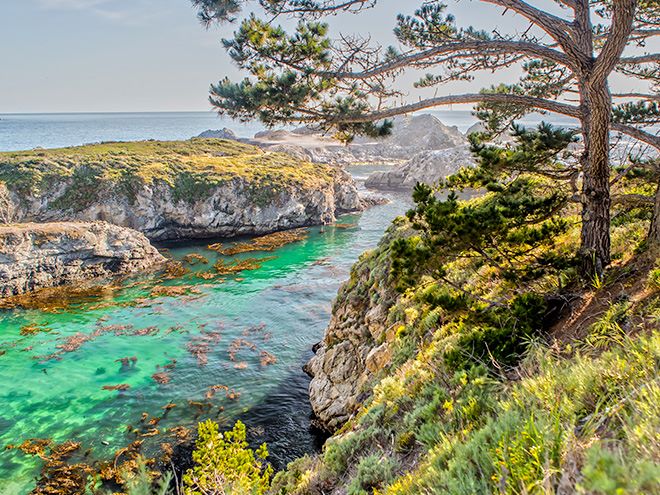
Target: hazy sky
149, 55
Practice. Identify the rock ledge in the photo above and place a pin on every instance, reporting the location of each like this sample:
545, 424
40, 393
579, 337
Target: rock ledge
38, 256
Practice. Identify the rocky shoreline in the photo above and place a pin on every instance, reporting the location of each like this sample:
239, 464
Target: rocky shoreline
40, 256
177, 190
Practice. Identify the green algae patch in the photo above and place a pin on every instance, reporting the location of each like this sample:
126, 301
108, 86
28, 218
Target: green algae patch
79, 176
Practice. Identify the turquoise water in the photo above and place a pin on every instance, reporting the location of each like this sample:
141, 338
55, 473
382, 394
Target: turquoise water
213, 335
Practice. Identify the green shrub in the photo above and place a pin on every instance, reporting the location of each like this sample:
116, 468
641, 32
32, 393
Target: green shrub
373, 471
503, 337
142, 483
225, 464
606, 473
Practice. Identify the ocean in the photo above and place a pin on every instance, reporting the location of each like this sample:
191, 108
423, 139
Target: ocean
56, 130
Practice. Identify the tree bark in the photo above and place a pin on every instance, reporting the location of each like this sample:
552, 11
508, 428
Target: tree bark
595, 248
654, 230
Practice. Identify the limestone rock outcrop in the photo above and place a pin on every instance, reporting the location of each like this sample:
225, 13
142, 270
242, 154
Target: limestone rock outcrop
356, 345
177, 190
38, 256
427, 167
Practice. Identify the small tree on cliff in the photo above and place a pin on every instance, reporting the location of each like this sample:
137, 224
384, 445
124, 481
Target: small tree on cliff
348, 85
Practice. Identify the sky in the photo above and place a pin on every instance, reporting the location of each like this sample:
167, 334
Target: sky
153, 55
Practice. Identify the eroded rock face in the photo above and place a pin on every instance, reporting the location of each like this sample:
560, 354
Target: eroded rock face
38, 256
229, 209
410, 136
200, 188
356, 345
427, 167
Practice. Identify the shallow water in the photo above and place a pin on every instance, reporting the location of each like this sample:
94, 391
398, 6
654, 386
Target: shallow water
281, 308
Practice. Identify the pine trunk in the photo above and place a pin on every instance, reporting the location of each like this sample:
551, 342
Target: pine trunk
654, 230
595, 248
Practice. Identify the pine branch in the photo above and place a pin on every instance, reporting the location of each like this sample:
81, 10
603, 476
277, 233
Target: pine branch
529, 101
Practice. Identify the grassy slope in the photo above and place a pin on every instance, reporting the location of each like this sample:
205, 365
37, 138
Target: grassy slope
579, 413
191, 168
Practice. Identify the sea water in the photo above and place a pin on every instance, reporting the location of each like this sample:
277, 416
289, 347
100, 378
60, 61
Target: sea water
281, 308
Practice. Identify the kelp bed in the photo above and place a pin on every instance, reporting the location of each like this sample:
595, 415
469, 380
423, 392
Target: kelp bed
268, 242
107, 373
70, 468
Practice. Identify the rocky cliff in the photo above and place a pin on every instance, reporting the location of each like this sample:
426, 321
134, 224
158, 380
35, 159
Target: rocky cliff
357, 342
37, 256
170, 190
410, 136
427, 167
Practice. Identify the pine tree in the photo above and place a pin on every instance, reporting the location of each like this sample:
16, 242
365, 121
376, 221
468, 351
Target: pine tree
350, 85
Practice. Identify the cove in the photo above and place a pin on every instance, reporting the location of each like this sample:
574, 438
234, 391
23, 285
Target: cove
223, 348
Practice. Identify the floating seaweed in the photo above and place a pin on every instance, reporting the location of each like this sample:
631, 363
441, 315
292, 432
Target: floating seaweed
224, 267
200, 345
171, 365
75, 342
241, 366
210, 393
168, 452
173, 290
195, 259
181, 433
154, 421
33, 446
233, 394
200, 407
255, 329
175, 269
236, 346
122, 387
127, 362
34, 329
162, 378
57, 476
209, 276
268, 242
175, 329
57, 299
266, 358
151, 433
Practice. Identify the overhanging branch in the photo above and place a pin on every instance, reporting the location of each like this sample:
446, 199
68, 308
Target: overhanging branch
639, 134
485, 47
529, 101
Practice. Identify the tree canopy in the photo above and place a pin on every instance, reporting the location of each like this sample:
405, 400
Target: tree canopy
350, 85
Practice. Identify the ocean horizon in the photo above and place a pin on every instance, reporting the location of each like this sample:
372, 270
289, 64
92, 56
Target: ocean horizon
26, 131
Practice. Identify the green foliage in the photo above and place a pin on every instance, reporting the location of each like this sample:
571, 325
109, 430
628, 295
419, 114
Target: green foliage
224, 463
143, 484
502, 342
606, 473
511, 229
373, 471
528, 460
607, 328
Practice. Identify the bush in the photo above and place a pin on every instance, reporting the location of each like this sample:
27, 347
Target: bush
374, 471
225, 464
503, 338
